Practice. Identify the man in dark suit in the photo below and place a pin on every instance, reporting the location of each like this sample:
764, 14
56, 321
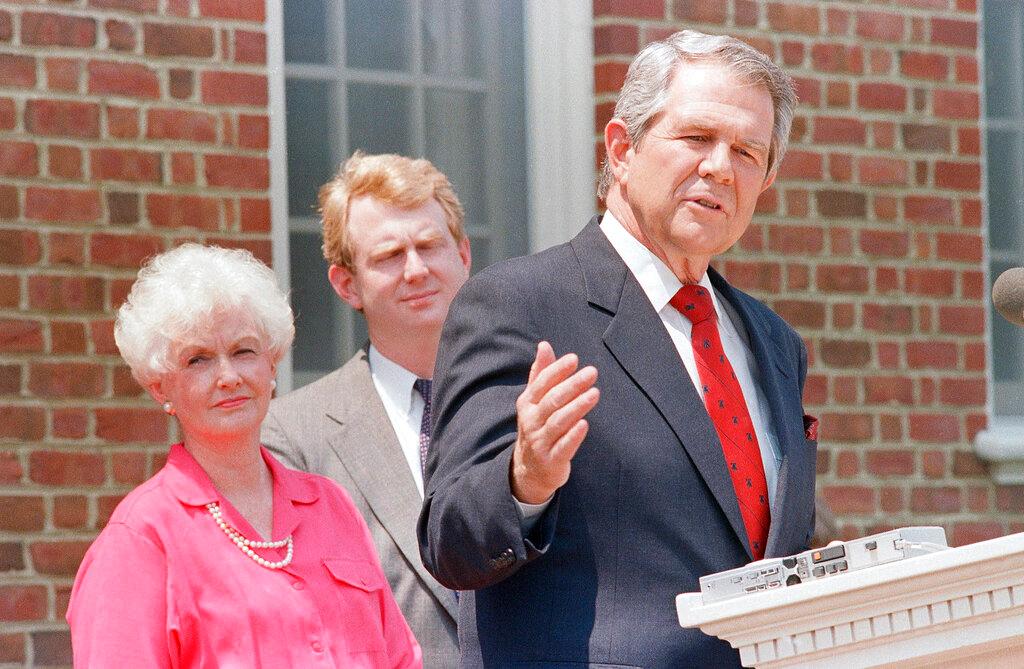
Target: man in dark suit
576, 506
393, 233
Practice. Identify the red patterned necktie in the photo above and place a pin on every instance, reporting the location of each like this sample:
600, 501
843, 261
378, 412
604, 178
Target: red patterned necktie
727, 408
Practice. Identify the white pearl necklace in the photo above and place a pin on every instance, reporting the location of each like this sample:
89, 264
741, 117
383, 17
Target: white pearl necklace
247, 545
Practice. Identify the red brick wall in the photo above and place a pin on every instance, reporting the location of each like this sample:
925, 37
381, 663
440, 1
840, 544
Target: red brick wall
870, 244
123, 131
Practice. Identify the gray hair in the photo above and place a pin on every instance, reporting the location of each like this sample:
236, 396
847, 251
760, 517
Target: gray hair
650, 75
184, 291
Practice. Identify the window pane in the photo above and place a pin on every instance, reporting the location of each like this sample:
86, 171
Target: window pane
377, 34
379, 119
1005, 186
454, 131
305, 31
311, 159
1003, 76
451, 38
313, 301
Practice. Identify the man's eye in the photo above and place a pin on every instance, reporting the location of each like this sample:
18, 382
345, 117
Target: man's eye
196, 359
245, 351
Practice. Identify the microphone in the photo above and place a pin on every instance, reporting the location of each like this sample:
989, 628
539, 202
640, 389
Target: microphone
1008, 295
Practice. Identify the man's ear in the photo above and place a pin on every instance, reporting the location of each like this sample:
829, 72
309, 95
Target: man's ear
618, 148
465, 253
345, 285
769, 180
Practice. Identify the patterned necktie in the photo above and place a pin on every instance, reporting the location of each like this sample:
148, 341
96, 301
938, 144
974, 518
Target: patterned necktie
727, 408
422, 386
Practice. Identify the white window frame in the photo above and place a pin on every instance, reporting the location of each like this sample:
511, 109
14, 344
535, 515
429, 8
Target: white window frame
1001, 443
559, 63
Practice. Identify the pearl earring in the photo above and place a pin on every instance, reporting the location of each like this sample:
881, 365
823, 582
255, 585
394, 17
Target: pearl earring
168, 409
273, 384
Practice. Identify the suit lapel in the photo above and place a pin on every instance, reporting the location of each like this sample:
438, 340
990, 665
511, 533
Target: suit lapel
639, 342
366, 445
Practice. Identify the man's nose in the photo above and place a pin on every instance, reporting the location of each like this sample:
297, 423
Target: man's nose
717, 163
415, 267
227, 375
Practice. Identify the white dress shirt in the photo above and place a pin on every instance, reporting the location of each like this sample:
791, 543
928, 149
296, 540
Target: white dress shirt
404, 407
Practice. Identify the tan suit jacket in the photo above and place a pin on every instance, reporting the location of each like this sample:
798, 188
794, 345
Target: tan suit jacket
337, 427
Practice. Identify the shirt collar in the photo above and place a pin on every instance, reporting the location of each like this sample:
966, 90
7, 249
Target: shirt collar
189, 482
393, 379
655, 278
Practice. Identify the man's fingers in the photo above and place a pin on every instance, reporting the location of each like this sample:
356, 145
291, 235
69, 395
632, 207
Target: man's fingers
544, 357
563, 420
549, 376
566, 447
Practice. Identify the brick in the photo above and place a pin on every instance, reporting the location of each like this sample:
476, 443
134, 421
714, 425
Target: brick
801, 165
11, 559
66, 293
794, 18
965, 533
849, 498
616, 39
958, 176
928, 209
10, 467
10, 291
966, 69
57, 558
233, 88
842, 278
171, 39
833, 130
21, 514
65, 162
66, 379
19, 247
62, 118
698, 11
129, 467
883, 26
842, 316
122, 122
181, 83
21, 336
841, 204
934, 428
932, 355
954, 104
120, 35
881, 171
840, 167
10, 379
52, 648
838, 58
845, 354
253, 131
23, 602
609, 76
882, 96
792, 53
62, 74
181, 211
18, 159
68, 337
847, 464
920, 137
964, 320
127, 251
138, 6
955, 32
70, 423
889, 318
641, 9
70, 511
131, 425
105, 507
6, 31
17, 71
181, 124
122, 208
50, 29
963, 392
918, 65
801, 313
960, 247
889, 390
66, 468
125, 165
62, 204
233, 171
763, 276
796, 239
102, 334
967, 464
66, 249
22, 423
250, 47
8, 114
242, 10
933, 464
884, 244
890, 463
254, 215
945, 499
125, 79
808, 91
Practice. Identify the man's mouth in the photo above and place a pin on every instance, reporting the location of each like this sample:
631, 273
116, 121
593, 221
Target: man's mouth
704, 202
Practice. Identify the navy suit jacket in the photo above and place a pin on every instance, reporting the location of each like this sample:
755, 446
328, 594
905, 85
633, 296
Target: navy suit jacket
649, 506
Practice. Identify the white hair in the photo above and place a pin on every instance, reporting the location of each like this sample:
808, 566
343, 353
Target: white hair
650, 75
184, 292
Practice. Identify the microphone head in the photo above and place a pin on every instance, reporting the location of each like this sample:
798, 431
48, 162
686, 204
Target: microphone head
1008, 295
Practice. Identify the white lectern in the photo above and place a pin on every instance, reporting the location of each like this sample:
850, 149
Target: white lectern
961, 607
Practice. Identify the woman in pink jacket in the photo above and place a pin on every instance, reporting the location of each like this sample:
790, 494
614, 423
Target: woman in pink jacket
225, 558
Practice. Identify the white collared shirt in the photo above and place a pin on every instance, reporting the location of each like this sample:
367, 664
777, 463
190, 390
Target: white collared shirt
404, 407
659, 285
